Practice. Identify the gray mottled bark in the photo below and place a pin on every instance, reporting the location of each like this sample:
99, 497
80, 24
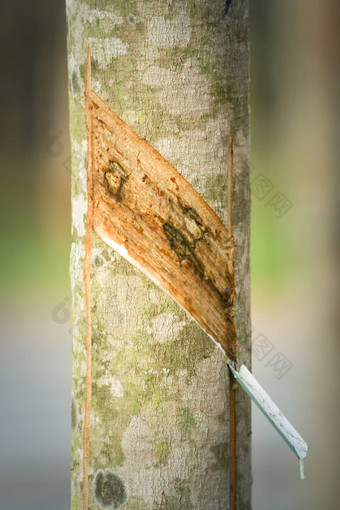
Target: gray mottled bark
177, 72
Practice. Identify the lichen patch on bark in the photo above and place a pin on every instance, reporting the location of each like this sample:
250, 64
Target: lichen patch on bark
167, 33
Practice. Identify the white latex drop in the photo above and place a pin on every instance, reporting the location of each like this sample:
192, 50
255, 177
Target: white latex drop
302, 470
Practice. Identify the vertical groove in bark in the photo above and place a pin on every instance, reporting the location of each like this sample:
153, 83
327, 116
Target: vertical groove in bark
160, 405
232, 389
87, 288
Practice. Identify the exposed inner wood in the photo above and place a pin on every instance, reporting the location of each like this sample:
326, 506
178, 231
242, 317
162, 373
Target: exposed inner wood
147, 211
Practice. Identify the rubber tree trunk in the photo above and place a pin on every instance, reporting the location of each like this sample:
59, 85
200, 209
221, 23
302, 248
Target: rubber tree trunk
177, 73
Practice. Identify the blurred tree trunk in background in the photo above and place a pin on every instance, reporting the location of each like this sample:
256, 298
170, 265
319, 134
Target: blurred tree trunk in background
177, 73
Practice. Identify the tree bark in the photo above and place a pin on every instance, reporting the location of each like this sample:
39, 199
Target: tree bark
177, 73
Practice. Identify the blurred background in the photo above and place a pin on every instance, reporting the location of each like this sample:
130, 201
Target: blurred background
295, 236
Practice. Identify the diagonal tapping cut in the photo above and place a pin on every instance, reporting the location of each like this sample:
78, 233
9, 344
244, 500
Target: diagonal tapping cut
148, 212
